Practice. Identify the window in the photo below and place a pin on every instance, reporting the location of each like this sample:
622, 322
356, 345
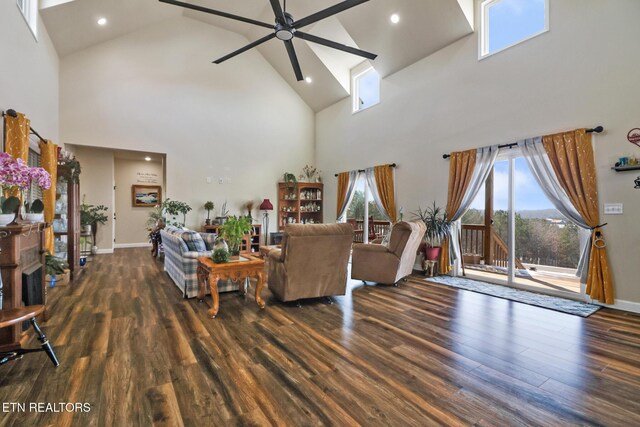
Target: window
365, 87
505, 23
29, 9
34, 192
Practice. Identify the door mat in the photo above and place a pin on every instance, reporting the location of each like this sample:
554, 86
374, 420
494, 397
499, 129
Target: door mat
563, 305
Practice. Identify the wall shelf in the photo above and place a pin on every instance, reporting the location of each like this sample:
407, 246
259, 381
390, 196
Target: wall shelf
626, 168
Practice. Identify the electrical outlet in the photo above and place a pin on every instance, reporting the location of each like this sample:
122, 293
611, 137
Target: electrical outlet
209, 180
613, 208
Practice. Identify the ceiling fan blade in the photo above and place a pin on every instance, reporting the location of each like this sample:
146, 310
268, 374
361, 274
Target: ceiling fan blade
340, 7
294, 59
218, 13
244, 49
277, 10
335, 45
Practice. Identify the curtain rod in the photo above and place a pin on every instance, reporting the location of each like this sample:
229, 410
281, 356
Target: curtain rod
392, 165
596, 129
14, 114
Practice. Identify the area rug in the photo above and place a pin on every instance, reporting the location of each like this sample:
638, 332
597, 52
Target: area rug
563, 305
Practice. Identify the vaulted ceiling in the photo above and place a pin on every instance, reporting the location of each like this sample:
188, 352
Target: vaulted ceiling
425, 26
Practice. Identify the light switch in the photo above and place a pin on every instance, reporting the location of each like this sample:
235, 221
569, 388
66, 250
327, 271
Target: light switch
221, 180
209, 180
613, 209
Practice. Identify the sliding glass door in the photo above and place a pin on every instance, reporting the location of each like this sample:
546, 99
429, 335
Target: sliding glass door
513, 235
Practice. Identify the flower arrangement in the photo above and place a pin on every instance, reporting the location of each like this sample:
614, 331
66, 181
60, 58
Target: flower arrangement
309, 173
15, 174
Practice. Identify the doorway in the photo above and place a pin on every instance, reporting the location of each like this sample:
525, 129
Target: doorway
514, 236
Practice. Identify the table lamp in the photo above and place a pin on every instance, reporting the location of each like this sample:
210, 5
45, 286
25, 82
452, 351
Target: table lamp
266, 206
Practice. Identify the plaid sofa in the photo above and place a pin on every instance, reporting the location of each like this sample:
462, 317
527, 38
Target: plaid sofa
181, 264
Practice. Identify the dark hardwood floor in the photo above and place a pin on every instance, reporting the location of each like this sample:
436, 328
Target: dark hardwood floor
419, 354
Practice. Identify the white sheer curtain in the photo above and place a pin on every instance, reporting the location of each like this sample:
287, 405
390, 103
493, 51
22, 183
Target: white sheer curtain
485, 158
373, 189
540, 165
353, 180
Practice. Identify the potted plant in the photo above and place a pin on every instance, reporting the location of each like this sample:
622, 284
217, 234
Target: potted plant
15, 178
53, 267
34, 211
175, 208
310, 174
90, 217
9, 206
68, 167
249, 207
233, 231
224, 213
435, 219
209, 207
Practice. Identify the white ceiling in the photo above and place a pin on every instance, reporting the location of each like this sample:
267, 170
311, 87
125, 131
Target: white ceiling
425, 27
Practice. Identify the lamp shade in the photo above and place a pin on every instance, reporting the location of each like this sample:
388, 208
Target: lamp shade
266, 205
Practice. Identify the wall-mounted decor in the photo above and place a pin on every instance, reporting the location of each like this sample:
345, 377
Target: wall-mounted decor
147, 178
634, 136
146, 195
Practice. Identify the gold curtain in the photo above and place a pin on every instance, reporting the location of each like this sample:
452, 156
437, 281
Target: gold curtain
461, 166
385, 184
572, 158
343, 187
49, 161
16, 139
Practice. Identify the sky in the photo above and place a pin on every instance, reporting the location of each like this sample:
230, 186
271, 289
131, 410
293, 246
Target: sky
528, 194
514, 20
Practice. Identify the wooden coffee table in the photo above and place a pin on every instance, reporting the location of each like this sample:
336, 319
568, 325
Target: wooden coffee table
211, 272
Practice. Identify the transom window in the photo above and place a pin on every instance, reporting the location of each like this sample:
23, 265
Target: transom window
506, 23
365, 87
29, 9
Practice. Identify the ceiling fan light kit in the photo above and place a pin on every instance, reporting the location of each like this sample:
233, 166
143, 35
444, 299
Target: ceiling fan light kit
286, 29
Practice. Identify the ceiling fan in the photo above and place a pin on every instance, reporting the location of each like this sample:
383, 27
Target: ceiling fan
285, 29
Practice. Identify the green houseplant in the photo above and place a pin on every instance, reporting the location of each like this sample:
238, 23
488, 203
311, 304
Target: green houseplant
233, 230
438, 227
53, 267
91, 216
209, 206
174, 208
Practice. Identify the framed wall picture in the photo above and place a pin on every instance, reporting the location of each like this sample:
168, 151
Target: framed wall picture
146, 195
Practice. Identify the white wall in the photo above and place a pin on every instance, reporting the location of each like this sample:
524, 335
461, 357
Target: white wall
28, 71
582, 73
157, 90
130, 220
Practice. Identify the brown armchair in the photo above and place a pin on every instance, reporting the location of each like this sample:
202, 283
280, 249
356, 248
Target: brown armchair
312, 262
382, 264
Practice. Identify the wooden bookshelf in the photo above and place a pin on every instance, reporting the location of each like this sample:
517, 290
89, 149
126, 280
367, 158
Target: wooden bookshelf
300, 203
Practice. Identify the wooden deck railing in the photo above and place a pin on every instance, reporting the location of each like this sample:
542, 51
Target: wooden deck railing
473, 244
381, 228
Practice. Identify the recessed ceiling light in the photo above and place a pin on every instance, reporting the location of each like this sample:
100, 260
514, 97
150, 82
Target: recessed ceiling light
395, 18
308, 80
148, 159
102, 21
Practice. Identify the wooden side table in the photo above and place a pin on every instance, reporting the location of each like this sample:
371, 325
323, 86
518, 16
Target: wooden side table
211, 272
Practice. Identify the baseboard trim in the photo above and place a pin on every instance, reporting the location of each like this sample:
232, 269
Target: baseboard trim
104, 251
131, 245
623, 305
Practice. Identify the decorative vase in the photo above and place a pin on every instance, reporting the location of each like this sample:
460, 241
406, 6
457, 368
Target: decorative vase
94, 250
207, 221
220, 244
432, 253
6, 219
34, 217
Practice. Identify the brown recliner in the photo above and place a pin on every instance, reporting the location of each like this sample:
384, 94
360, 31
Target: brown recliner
312, 262
387, 265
